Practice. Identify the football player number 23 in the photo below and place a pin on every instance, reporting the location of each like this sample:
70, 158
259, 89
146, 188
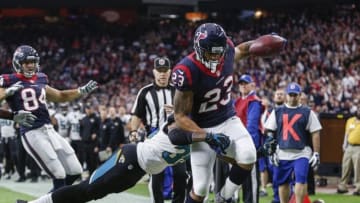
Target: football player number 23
214, 98
31, 103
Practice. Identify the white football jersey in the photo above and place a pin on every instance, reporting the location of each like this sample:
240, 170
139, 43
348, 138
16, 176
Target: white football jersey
63, 124
156, 153
7, 128
74, 118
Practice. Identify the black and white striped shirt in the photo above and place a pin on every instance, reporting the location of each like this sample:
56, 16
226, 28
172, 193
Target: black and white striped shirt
149, 105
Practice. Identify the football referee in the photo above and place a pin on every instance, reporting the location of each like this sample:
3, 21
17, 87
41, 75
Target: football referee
151, 108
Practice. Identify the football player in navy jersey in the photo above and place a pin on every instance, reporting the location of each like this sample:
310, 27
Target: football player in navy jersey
27, 89
203, 82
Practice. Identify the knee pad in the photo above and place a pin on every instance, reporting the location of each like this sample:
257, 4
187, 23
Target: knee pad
245, 151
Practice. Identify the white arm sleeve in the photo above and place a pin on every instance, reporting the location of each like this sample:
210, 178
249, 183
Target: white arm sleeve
313, 123
271, 122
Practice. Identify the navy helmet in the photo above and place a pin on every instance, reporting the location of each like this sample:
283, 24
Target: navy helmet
25, 53
210, 44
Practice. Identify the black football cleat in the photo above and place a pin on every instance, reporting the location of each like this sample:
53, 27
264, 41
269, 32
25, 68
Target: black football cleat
21, 201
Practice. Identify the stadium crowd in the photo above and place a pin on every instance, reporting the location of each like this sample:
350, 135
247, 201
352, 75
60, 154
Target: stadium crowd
322, 55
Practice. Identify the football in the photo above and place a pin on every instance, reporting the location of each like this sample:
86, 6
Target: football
267, 45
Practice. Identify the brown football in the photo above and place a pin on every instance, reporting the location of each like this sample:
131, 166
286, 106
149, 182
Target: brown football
267, 45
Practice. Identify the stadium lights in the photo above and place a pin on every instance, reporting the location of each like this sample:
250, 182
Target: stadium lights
258, 14
195, 16
171, 16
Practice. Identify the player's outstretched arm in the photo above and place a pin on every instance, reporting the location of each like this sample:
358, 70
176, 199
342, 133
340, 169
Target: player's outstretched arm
56, 95
263, 46
242, 50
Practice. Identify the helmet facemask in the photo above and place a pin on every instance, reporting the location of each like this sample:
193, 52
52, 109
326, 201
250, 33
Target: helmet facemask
210, 58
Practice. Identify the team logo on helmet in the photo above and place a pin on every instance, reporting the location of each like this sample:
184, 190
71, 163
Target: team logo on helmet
200, 35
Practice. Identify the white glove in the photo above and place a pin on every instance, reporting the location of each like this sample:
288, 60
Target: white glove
274, 159
25, 118
315, 160
89, 87
13, 88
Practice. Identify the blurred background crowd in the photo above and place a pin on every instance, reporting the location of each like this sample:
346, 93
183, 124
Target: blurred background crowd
322, 53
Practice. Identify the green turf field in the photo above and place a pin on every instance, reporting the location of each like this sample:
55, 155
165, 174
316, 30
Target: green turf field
8, 196
141, 189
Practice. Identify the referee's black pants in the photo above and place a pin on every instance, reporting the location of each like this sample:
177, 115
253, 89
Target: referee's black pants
179, 184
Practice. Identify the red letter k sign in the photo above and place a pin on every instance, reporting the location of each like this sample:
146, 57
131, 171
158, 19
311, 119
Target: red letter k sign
288, 127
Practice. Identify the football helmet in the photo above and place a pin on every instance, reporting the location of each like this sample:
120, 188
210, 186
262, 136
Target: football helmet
25, 53
210, 45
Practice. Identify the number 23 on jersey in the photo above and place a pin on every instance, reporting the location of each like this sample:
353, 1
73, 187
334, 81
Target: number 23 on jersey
219, 95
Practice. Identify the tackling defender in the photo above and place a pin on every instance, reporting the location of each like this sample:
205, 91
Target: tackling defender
27, 89
126, 167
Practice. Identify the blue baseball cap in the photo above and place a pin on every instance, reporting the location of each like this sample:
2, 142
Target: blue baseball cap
245, 78
293, 88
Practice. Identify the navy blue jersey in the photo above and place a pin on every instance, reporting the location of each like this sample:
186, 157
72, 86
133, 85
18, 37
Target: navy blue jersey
31, 98
291, 132
212, 91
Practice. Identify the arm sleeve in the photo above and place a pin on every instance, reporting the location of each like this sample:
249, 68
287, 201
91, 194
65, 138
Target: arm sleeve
140, 104
253, 121
253, 118
270, 123
181, 78
313, 123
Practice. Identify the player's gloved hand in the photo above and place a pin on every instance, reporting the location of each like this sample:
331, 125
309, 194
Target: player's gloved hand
269, 146
25, 118
218, 142
89, 87
274, 159
13, 88
315, 160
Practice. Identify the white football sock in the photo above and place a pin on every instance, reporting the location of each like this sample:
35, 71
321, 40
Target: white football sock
228, 189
